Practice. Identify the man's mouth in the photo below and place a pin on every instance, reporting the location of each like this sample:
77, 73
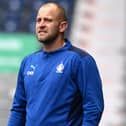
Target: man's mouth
42, 31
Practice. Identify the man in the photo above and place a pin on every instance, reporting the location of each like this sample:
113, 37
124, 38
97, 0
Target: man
59, 85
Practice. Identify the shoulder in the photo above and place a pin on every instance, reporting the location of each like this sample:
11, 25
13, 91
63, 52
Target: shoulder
78, 51
31, 57
81, 54
81, 58
84, 60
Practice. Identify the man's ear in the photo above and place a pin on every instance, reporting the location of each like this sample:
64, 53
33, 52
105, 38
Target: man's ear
63, 26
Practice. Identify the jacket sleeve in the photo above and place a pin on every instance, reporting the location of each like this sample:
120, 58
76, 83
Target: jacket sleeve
18, 111
91, 90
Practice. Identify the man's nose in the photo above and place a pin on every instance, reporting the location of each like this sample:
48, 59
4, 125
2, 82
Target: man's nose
42, 23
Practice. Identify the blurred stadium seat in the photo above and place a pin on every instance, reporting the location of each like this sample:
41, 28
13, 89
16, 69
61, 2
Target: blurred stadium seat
12, 21
19, 15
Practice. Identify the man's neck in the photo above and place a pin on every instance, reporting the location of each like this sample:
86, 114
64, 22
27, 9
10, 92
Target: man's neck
54, 46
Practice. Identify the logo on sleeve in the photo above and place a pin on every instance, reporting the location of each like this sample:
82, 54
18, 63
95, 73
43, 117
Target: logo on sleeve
60, 68
31, 72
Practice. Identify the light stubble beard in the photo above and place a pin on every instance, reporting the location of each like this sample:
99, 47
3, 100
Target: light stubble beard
49, 40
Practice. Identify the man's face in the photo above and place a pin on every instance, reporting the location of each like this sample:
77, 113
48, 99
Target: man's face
47, 24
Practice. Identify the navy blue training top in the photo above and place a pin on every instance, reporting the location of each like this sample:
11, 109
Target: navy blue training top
59, 88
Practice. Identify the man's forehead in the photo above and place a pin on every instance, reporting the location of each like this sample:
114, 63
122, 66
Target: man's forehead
48, 10
48, 7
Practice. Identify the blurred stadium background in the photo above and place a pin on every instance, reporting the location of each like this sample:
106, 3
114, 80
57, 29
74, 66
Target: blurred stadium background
95, 25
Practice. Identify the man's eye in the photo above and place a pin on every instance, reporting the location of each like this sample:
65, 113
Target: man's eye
38, 20
48, 20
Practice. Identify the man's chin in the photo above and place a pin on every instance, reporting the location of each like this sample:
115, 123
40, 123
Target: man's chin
45, 41
42, 40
